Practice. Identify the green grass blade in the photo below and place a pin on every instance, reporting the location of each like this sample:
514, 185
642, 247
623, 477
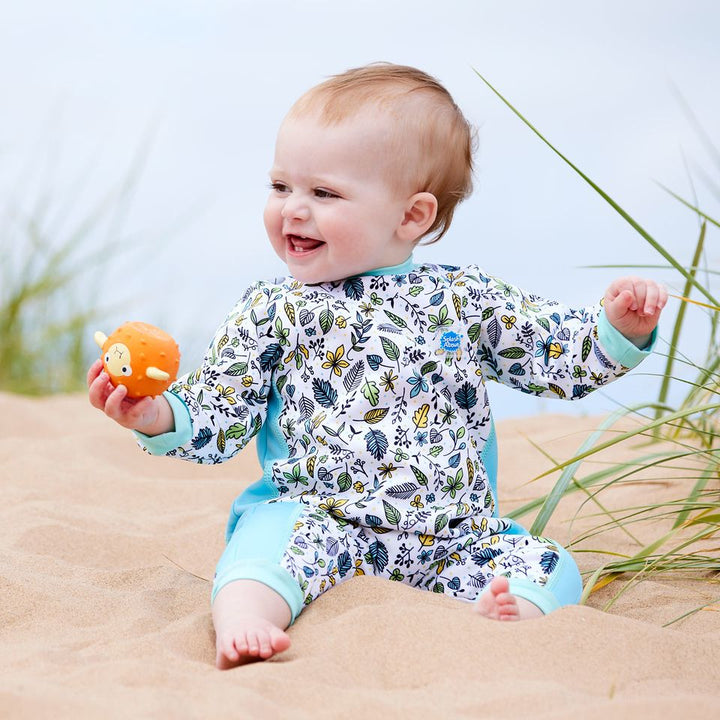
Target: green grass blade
632, 433
633, 223
560, 487
677, 327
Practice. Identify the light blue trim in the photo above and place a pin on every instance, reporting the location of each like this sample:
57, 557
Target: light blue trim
162, 444
261, 536
402, 269
565, 582
271, 446
270, 443
564, 586
536, 594
619, 347
489, 457
276, 578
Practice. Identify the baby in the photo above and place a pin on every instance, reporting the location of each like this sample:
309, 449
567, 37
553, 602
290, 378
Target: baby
361, 376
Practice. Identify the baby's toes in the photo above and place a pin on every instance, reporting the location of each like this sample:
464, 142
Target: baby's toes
265, 649
507, 607
279, 640
227, 656
252, 644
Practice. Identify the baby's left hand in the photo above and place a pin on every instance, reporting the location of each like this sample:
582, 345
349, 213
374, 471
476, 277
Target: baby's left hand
633, 306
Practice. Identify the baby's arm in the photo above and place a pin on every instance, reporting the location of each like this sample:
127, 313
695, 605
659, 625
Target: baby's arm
633, 306
148, 415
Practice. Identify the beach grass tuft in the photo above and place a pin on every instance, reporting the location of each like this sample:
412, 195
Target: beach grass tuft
673, 445
50, 284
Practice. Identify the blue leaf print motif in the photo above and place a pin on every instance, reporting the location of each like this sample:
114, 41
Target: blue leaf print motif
270, 356
494, 332
309, 572
549, 561
580, 391
324, 393
353, 288
373, 521
485, 555
377, 444
374, 361
402, 491
202, 439
604, 361
378, 555
466, 396
344, 563
331, 546
454, 584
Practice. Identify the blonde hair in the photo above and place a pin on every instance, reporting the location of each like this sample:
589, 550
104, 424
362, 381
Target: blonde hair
425, 115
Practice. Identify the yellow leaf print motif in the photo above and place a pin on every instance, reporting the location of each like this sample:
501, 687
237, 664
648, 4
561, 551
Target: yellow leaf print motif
226, 393
555, 350
334, 361
376, 415
333, 506
457, 303
420, 418
426, 540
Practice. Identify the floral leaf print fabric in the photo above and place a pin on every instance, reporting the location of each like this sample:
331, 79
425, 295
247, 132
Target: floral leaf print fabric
377, 389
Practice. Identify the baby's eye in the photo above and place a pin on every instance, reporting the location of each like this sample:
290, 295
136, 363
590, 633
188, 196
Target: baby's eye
321, 193
279, 187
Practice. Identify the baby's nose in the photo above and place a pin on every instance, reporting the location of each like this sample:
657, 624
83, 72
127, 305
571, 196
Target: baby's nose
295, 208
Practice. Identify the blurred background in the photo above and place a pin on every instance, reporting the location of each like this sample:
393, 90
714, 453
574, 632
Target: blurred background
135, 141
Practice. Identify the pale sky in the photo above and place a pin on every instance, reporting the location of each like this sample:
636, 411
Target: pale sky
198, 88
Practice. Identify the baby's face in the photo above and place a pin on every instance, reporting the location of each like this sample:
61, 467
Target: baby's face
332, 212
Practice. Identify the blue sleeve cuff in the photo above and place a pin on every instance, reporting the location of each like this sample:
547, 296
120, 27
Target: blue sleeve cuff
618, 347
162, 444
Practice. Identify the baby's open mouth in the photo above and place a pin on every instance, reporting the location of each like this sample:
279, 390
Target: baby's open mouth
300, 244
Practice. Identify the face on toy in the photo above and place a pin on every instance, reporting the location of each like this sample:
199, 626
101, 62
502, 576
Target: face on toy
117, 360
140, 356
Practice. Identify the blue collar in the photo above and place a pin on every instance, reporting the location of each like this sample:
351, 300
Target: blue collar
402, 269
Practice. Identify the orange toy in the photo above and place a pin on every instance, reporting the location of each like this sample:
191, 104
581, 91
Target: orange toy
141, 357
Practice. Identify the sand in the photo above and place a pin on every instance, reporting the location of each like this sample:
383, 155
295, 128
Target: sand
105, 560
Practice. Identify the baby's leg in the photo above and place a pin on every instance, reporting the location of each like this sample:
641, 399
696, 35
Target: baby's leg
532, 577
280, 557
250, 620
498, 603
507, 573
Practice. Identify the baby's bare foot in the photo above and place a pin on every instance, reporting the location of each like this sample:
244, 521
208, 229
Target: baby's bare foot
498, 603
245, 639
249, 618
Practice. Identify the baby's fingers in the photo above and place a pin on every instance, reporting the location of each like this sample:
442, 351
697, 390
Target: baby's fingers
126, 411
655, 299
114, 404
99, 389
94, 371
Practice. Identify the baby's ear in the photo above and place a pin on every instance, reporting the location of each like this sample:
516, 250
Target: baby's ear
420, 213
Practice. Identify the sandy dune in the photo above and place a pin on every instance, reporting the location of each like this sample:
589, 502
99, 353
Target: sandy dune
105, 560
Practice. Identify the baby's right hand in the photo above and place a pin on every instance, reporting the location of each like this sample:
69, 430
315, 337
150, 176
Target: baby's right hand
144, 414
